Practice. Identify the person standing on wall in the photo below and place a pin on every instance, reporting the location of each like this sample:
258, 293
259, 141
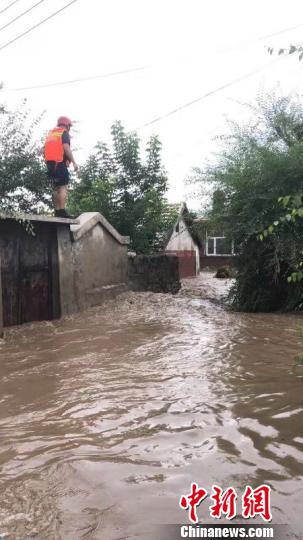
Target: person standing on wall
58, 156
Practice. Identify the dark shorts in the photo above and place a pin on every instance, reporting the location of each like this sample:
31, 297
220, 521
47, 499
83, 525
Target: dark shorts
57, 173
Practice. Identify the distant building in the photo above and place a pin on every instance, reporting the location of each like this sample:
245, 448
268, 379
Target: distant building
183, 243
216, 249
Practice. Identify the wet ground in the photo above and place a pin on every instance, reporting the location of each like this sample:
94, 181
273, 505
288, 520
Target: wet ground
108, 416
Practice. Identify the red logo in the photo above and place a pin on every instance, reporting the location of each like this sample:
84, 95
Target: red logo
224, 503
255, 502
192, 500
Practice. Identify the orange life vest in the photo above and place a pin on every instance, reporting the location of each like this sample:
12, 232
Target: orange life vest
53, 148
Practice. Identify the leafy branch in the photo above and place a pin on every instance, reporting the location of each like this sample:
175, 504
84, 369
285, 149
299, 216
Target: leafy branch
293, 206
292, 49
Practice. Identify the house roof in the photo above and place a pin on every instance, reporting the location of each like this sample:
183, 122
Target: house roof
183, 210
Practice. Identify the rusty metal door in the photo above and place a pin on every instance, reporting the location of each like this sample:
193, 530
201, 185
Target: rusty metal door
26, 262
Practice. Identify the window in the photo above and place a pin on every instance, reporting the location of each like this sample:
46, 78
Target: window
210, 246
219, 245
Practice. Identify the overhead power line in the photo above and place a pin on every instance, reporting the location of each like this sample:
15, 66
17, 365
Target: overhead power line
105, 75
10, 5
80, 79
289, 29
247, 43
37, 25
21, 15
208, 94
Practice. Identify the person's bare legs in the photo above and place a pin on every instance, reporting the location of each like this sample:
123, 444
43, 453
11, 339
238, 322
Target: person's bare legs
59, 197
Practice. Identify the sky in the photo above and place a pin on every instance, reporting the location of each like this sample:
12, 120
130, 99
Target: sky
180, 49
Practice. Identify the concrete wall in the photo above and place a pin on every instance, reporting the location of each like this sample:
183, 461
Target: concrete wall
66, 266
69, 296
93, 263
156, 273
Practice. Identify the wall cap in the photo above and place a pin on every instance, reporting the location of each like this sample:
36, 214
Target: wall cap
37, 217
89, 220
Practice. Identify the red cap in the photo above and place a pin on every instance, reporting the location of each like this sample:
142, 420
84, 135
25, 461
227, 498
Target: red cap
64, 121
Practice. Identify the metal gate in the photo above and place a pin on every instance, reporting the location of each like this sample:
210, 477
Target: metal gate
27, 269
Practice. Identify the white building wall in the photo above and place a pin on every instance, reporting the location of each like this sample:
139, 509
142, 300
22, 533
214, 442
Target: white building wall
197, 259
181, 240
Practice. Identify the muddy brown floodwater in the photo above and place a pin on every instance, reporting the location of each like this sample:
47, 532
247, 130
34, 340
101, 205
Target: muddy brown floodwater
108, 416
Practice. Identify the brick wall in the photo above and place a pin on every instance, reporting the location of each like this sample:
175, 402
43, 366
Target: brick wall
187, 263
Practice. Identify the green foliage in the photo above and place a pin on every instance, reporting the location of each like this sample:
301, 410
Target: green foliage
292, 49
293, 211
126, 190
23, 183
260, 163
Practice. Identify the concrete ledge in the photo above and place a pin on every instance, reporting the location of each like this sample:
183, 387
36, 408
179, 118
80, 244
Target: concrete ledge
88, 220
42, 219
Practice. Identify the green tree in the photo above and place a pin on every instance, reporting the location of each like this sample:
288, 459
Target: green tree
292, 49
260, 163
23, 183
290, 222
128, 191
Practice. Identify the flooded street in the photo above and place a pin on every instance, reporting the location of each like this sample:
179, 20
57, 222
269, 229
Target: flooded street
108, 416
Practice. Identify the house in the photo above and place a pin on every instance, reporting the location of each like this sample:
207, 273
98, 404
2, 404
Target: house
216, 249
184, 243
